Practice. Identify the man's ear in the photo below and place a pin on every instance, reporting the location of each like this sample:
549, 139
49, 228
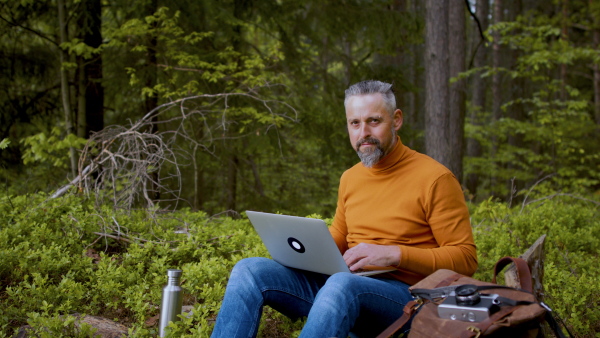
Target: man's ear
398, 119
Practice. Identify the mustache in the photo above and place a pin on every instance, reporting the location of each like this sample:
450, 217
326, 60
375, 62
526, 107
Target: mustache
372, 140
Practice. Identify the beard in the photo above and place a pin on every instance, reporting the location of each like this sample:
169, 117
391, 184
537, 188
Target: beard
370, 156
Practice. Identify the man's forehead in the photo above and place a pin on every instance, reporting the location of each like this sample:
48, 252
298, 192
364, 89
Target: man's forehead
366, 110
364, 115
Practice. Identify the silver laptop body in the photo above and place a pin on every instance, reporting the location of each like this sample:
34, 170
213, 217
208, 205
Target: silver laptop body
301, 243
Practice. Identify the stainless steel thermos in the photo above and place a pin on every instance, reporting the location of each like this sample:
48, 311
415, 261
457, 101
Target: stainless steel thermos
172, 298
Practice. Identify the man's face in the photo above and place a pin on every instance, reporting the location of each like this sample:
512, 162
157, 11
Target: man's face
371, 129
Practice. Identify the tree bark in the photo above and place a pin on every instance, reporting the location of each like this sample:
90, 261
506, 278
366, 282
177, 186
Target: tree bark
94, 91
232, 182
457, 97
596, 68
151, 101
91, 92
413, 115
436, 80
496, 88
198, 172
564, 35
64, 81
517, 109
478, 100
596, 71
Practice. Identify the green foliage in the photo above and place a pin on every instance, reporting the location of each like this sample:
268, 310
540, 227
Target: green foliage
52, 148
56, 262
44, 325
4, 143
562, 128
301, 53
571, 274
547, 127
187, 70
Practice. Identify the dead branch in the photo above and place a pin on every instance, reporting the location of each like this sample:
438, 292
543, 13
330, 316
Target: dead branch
140, 165
118, 238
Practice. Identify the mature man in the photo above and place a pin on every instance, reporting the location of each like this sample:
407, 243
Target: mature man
396, 208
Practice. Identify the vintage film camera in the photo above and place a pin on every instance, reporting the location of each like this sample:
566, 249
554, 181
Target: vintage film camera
465, 303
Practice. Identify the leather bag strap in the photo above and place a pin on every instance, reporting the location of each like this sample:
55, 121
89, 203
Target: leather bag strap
549, 317
523, 272
409, 310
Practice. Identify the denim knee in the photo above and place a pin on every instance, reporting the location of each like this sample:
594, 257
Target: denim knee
342, 281
247, 269
336, 289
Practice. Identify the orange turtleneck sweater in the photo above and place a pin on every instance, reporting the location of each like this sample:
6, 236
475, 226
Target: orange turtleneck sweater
410, 200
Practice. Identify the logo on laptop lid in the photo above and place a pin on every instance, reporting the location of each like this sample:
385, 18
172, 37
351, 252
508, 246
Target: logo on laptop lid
296, 245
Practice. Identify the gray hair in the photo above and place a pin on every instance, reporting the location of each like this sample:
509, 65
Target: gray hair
373, 87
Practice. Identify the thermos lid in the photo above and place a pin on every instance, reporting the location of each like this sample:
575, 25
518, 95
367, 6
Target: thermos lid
174, 273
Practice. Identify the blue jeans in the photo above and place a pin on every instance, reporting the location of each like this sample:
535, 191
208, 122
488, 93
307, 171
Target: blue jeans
333, 305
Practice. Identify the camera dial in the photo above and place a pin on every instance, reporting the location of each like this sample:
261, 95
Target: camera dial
467, 295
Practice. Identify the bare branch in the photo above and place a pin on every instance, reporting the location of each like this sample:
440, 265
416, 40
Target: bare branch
134, 166
531, 189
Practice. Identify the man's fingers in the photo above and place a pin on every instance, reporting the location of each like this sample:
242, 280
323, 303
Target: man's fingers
349, 257
371, 254
358, 265
356, 257
354, 262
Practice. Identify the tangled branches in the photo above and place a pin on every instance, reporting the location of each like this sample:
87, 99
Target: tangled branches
140, 165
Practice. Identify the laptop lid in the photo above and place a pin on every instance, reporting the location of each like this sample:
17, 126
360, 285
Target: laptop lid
301, 243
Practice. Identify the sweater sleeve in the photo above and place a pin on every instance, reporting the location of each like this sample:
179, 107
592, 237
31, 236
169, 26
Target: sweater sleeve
339, 228
448, 217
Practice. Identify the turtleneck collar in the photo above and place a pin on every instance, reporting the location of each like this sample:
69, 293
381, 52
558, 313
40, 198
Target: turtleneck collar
398, 153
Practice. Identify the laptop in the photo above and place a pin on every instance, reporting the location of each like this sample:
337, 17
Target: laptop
302, 243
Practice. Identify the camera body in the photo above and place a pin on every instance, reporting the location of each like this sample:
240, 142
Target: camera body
466, 304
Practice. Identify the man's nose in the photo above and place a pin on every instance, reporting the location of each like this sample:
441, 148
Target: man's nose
365, 131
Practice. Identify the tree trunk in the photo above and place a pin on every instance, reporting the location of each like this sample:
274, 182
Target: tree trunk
91, 92
478, 94
413, 112
436, 80
457, 47
596, 68
198, 181
94, 91
151, 101
64, 81
232, 182
517, 110
565, 37
496, 89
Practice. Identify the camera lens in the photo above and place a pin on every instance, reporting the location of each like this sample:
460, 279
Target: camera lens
467, 295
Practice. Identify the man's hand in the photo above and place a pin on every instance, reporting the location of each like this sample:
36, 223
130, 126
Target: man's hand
372, 254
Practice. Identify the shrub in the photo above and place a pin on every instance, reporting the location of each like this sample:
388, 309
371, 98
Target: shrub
571, 274
65, 256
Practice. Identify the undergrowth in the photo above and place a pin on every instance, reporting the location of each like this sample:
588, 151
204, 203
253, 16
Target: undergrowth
64, 256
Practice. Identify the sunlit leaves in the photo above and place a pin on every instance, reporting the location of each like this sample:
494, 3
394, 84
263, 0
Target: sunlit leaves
4, 143
50, 147
553, 129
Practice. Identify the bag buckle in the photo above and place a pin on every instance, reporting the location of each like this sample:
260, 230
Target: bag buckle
475, 330
419, 302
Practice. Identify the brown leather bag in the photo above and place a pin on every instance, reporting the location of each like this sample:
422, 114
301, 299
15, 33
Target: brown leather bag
521, 318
